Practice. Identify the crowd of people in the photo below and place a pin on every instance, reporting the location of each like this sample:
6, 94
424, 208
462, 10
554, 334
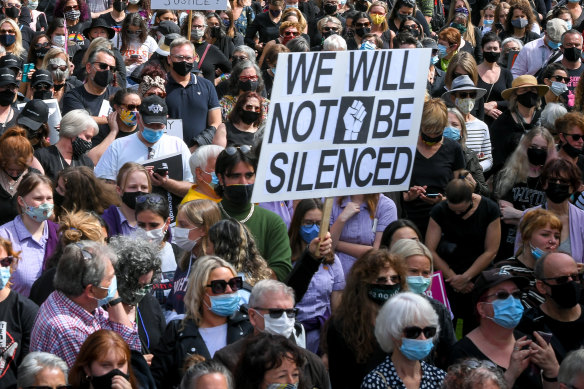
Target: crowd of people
134, 258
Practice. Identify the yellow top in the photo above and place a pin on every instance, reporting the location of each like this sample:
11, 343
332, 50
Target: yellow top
193, 194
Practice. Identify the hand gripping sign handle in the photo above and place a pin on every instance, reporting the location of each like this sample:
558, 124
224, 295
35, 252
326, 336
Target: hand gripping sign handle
326, 216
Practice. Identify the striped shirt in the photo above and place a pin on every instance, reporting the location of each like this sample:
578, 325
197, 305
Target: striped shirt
478, 139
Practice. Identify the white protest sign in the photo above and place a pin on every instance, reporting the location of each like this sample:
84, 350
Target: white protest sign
342, 123
54, 118
194, 5
174, 127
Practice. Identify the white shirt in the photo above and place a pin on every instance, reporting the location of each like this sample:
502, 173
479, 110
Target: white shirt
131, 149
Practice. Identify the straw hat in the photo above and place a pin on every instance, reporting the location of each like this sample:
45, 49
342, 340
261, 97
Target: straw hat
527, 80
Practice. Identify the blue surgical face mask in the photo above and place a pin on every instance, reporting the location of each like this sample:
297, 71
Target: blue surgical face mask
416, 349
111, 292
292, 6
214, 179
569, 24
442, 51
452, 133
553, 45
434, 59
487, 22
418, 284
151, 135
536, 252
367, 46
558, 88
4, 276
309, 233
508, 312
224, 304
273, 70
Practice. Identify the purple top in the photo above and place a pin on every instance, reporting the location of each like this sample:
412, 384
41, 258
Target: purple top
361, 228
284, 209
127, 229
32, 254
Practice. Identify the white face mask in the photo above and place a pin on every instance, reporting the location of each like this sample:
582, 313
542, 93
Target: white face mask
155, 236
59, 40
180, 236
283, 325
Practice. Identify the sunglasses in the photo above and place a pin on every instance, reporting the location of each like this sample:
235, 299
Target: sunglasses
60, 67
504, 295
360, 25
560, 78
42, 87
162, 95
231, 150
250, 107
147, 288
132, 107
6, 261
7, 32
383, 280
293, 33
219, 286
464, 95
575, 137
414, 332
71, 8
41, 45
276, 313
563, 279
327, 29
105, 66
152, 199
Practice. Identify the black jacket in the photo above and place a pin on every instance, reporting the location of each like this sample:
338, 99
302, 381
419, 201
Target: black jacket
181, 339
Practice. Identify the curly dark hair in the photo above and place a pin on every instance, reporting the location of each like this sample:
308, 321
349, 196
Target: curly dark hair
526, 9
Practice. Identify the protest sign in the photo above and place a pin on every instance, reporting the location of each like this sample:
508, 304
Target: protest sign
54, 118
174, 127
437, 290
175, 171
194, 5
342, 123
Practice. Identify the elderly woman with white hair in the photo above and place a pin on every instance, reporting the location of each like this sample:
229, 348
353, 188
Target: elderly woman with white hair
202, 164
205, 373
40, 370
77, 130
334, 43
406, 328
571, 373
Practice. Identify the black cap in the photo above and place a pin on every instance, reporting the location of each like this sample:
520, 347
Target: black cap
153, 110
166, 27
492, 277
34, 113
7, 77
11, 61
99, 22
42, 76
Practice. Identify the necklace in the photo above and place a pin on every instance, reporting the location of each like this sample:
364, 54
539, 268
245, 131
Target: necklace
244, 219
8, 186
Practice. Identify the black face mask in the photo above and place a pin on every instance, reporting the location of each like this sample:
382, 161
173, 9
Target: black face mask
491, 56
330, 9
58, 87
42, 94
103, 78
248, 85
528, 99
129, 198
238, 194
327, 34
248, 117
571, 150
557, 193
80, 147
119, 6
537, 157
216, 32
361, 31
402, 17
182, 68
572, 54
379, 293
566, 295
40, 53
429, 139
105, 381
12, 12
7, 98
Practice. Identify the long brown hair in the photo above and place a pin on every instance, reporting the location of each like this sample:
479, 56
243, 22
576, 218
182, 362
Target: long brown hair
296, 242
370, 199
355, 316
93, 349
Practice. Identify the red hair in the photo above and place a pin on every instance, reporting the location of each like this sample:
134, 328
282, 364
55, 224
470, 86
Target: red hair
15, 146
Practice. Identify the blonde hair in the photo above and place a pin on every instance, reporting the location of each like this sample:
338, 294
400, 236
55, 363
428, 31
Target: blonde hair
198, 281
129, 168
202, 213
467, 62
469, 34
434, 117
16, 48
299, 16
384, 25
406, 248
54, 53
462, 122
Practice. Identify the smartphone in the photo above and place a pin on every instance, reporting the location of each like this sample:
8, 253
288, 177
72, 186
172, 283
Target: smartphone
547, 336
135, 56
432, 194
27, 67
162, 170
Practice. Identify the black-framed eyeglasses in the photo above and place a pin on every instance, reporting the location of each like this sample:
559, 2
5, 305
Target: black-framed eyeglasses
131, 107
220, 286
49, 387
150, 198
464, 95
414, 332
182, 58
575, 137
42, 45
396, 279
310, 223
504, 295
560, 79
563, 279
276, 313
6, 261
105, 66
231, 150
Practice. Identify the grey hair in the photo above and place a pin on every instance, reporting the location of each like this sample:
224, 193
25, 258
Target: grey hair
514, 40
136, 257
198, 15
192, 375
298, 45
550, 113
75, 122
199, 158
334, 43
572, 366
251, 55
34, 363
264, 287
480, 376
400, 311
93, 57
182, 41
82, 264
406, 248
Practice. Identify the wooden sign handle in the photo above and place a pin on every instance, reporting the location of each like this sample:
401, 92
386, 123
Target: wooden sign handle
326, 216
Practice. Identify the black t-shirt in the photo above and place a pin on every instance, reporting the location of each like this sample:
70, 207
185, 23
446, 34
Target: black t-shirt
569, 333
214, 59
110, 21
267, 29
463, 240
17, 314
79, 98
237, 137
574, 75
52, 161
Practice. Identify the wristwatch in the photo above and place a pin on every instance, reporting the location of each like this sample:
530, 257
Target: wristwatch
113, 302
